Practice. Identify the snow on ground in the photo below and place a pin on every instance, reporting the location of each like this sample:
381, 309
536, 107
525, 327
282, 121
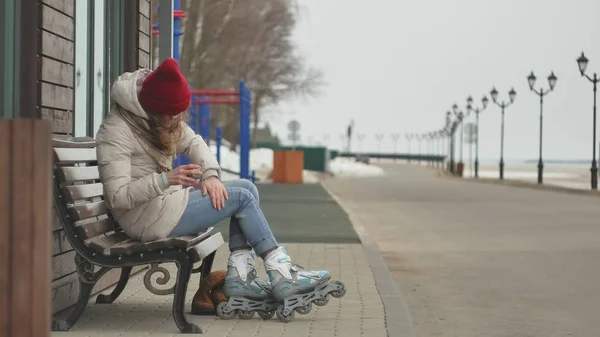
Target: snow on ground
261, 161
349, 167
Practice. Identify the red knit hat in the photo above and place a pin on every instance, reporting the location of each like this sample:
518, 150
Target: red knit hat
165, 90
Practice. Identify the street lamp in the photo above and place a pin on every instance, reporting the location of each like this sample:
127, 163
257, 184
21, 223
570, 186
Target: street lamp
461, 116
477, 110
395, 137
512, 94
582, 62
360, 137
379, 137
343, 138
551, 82
450, 140
409, 137
325, 140
440, 146
419, 139
431, 137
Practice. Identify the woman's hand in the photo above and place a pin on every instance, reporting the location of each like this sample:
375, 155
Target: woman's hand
185, 175
216, 190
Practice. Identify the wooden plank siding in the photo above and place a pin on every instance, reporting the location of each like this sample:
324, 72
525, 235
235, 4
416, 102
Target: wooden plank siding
56, 89
57, 56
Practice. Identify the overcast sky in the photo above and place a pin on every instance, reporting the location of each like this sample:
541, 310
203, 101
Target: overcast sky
398, 66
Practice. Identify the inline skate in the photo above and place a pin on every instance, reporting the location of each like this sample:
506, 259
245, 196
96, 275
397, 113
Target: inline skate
247, 294
295, 288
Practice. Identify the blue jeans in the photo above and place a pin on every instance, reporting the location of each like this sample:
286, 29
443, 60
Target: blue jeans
247, 227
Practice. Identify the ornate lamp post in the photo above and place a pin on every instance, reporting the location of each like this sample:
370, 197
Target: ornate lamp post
343, 138
551, 82
440, 146
461, 116
477, 110
450, 141
361, 137
431, 137
512, 94
582, 62
419, 139
395, 137
379, 137
409, 137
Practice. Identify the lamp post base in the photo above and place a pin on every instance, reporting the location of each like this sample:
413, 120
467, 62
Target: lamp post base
594, 171
501, 170
476, 168
540, 179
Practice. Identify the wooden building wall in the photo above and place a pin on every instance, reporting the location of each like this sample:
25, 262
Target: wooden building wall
55, 91
56, 60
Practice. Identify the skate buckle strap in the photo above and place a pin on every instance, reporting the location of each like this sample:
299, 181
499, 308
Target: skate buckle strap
296, 267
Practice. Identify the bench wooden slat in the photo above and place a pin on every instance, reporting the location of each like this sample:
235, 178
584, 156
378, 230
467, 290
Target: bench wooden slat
74, 155
77, 192
183, 242
68, 174
186, 241
129, 247
94, 229
85, 211
100, 244
73, 142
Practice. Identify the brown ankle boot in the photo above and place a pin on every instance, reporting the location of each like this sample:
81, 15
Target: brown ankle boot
217, 295
203, 304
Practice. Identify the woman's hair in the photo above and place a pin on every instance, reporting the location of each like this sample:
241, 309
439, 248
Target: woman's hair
162, 138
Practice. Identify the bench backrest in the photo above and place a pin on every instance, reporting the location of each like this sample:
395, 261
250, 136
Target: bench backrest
79, 198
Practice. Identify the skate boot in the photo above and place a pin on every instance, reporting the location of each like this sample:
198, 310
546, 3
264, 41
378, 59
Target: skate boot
246, 292
297, 289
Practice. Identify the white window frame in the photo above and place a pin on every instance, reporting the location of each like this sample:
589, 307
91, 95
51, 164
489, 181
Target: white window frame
99, 92
82, 51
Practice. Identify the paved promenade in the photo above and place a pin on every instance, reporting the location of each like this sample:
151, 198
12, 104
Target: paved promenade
317, 234
474, 259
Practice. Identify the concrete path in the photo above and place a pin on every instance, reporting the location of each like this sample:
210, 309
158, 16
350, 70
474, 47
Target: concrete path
316, 233
483, 260
137, 312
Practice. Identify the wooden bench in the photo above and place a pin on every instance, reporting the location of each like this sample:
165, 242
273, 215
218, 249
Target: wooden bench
100, 244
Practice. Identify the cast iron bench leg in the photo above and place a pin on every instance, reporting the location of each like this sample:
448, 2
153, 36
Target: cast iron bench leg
184, 272
87, 280
106, 299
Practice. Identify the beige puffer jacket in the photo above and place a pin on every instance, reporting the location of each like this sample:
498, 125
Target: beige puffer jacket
134, 192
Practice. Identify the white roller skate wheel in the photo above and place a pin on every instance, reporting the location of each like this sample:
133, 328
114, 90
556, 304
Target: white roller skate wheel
266, 314
223, 312
245, 314
321, 302
305, 310
285, 315
340, 292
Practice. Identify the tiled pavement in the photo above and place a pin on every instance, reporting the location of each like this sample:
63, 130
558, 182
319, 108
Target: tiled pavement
137, 312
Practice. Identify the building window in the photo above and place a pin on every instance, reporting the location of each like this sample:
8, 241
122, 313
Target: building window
98, 60
99, 91
82, 68
9, 10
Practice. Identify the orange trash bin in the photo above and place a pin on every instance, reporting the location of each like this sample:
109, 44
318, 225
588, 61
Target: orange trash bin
288, 167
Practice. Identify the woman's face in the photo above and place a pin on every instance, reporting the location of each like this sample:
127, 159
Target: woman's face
166, 120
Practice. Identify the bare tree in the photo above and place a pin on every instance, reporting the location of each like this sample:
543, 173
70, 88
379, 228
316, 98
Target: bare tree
228, 40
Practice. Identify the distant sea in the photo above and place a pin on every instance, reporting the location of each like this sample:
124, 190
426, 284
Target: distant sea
574, 162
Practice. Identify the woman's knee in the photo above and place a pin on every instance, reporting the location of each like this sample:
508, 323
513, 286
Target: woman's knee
245, 184
243, 195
